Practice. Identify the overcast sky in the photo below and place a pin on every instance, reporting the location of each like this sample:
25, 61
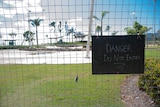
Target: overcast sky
14, 14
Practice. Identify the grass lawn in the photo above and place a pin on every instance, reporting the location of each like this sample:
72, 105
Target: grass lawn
54, 86
152, 52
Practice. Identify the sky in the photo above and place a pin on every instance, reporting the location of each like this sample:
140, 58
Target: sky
14, 15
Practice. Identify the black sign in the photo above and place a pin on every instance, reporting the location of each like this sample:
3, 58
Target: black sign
118, 54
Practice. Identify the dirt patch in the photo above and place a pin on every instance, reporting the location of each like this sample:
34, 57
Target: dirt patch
132, 96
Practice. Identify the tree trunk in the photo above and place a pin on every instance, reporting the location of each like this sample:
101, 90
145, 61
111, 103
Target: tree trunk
72, 38
22, 42
29, 43
101, 28
37, 36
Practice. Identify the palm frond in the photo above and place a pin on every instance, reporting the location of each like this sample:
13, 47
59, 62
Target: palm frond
40, 20
104, 13
35, 22
52, 24
30, 20
107, 28
95, 17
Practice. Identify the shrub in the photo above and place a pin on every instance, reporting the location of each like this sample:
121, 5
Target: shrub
13, 47
150, 80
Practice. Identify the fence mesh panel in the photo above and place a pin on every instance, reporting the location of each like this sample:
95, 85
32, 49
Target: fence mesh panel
43, 55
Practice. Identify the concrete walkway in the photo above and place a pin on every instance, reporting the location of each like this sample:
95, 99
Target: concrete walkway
14, 56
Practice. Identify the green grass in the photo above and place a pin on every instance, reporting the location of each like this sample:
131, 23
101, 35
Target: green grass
152, 52
66, 44
54, 86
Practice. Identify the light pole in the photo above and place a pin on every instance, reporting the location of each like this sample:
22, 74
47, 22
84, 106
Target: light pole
66, 30
29, 19
29, 27
43, 25
89, 29
134, 18
154, 23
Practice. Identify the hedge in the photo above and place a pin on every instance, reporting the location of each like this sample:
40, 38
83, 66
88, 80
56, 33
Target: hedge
150, 80
13, 47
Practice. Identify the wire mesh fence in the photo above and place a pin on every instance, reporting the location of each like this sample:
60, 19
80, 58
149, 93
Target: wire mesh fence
44, 60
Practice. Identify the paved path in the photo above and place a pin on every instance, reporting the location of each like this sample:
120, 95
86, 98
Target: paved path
14, 56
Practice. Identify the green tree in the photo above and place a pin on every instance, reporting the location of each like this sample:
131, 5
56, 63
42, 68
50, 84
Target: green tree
29, 37
98, 29
137, 28
36, 23
101, 19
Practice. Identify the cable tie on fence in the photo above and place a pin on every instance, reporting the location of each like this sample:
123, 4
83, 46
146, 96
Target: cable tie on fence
138, 36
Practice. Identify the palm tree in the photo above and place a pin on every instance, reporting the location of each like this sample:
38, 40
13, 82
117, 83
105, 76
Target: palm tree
12, 36
107, 29
71, 31
101, 19
66, 30
53, 24
60, 30
36, 23
60, 27
98, 29
66, 27
29, 37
